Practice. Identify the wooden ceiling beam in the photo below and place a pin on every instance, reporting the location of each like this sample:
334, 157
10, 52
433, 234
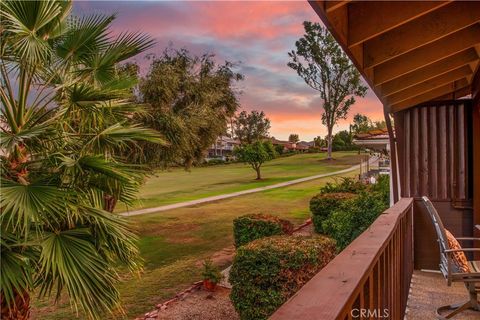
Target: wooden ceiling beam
421, 31
368, 19
431, 84
457, 94
431, 95
428, 72
427, 54
334, 5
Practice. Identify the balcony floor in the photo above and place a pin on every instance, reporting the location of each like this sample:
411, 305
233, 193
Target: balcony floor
429, 291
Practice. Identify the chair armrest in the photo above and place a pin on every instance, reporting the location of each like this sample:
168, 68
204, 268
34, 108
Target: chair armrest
463, 249
468, 239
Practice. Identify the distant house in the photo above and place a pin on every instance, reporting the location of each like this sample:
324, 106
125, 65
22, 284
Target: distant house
301, 146
304, 146
377, 140
287, 145
223, 147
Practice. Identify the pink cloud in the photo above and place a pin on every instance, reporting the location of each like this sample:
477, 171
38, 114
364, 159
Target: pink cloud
258, 33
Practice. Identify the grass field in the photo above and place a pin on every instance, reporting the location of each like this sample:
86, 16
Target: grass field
174, 243
177, 185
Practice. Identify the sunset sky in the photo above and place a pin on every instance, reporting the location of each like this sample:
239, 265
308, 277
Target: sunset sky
256, 34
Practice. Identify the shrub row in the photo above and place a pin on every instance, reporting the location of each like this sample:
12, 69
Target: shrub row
352, 217
345, 209
268, 271
323, 204
255, 226
345, 184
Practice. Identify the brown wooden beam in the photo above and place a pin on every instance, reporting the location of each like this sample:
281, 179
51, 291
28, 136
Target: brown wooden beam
430, 95
457, 94
476, 155
368, 19
431, 84
429, 72
427, 54
421, 31
334, 5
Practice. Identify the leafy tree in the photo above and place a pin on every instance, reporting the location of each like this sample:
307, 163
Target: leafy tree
361, 123
320, 61
251, 127
279, 149
256, 154
319, 142
345, 136
381, 125
191, 99
67, 123
293, 138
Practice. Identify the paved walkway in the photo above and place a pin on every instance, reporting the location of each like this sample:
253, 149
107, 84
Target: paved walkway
239, 193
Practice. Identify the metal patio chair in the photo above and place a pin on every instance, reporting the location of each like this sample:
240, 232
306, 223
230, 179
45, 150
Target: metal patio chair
450, 269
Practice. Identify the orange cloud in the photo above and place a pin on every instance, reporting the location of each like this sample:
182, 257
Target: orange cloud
257, 33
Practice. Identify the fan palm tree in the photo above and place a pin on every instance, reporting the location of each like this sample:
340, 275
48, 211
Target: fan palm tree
66, 123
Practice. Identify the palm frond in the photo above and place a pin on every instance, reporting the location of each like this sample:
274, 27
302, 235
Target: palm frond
122, 136
110, 169
25, 21
113, 237
26, 205
85, 36
16, 267
70, 260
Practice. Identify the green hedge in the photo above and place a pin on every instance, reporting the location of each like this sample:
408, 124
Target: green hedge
268, 271
345, 209
345, 184
353, 217
255, 226
323, 204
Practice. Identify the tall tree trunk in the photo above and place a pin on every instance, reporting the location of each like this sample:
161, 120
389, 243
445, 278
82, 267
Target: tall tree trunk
259, 176
109, 203
20, 310
329, 142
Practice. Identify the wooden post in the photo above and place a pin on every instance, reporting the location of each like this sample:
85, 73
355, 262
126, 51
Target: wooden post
476, 156
393, 155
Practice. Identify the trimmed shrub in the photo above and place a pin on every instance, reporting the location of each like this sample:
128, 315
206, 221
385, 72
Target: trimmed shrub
322, 205
255, 226
353, 217
383, 188
267, 272
346, 185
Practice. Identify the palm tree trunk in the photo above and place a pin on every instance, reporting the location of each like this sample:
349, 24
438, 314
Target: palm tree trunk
19, 309
109, 203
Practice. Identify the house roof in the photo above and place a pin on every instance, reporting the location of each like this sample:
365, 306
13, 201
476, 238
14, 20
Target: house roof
372, 135
409, 52
375, 139
276, 141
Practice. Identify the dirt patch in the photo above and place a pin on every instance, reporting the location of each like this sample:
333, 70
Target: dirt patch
306, 231
201, 305
221, 258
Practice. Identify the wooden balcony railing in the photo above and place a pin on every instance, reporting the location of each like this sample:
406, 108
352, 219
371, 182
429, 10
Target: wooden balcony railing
369, 279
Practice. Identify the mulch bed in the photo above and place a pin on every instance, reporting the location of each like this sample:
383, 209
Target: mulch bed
201, 305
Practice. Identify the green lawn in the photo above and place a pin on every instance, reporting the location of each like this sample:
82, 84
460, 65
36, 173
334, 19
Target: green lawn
174, 243
177, 185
